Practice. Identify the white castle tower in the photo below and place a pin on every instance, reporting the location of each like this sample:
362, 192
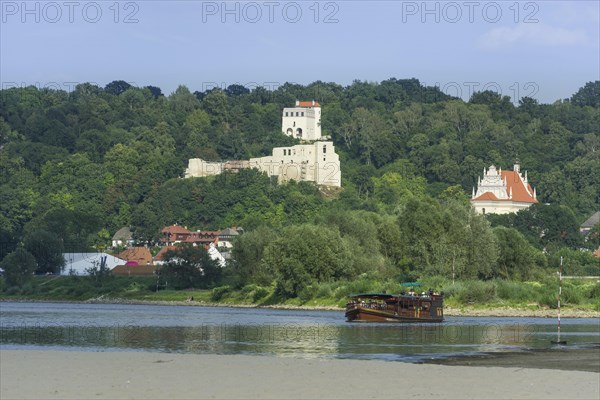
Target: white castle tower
302, 121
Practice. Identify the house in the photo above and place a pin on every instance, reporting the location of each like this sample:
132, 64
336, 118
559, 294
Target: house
589, 223
123, 237
302, 121
213, 253
174, 234
80, 263
503, 192
313, 161
227, 236
136, 256
204, 238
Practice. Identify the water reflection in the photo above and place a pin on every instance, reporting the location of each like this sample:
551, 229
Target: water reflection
272, 332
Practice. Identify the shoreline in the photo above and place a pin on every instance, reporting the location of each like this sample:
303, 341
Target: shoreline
448, 311
46, 374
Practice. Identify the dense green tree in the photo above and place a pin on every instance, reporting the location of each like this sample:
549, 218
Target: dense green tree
47, 250
306, 253
189, 267
248, 254
117, 87
517, 259
18, 267
589, 95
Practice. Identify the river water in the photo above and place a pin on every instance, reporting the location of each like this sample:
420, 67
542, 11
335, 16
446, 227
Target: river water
253, 331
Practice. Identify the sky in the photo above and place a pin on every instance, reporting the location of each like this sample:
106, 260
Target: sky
546, 50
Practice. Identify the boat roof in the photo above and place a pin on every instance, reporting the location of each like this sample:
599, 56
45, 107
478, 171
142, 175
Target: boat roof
381, 295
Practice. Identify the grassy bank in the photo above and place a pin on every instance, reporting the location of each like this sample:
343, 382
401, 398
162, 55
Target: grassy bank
461, 297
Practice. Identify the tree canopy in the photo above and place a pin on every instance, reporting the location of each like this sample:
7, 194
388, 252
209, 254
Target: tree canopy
73, 165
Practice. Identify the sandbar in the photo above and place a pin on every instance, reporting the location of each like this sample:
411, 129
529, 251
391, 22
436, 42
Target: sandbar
48, 374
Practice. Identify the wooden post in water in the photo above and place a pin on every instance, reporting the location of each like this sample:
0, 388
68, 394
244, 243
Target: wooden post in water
558, 341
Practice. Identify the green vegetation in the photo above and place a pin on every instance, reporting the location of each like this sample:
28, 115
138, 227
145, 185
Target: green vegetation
75, 167
497, 293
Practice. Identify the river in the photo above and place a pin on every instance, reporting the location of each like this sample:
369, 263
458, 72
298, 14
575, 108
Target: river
256, 331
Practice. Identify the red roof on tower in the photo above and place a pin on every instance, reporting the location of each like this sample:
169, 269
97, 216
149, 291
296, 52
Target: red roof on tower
308, 104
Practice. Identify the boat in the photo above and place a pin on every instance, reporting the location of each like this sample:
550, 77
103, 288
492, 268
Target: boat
404, 307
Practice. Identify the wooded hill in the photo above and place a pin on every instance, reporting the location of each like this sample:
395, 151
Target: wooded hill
78, 166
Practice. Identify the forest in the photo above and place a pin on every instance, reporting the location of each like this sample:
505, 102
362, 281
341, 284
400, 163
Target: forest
77, 166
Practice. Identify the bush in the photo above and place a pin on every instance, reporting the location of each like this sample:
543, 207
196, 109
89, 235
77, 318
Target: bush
324, 291
547, 299
309, 292
595, 292
260, 293
515, 291
472, 292
572, 294
219, 292
13, 290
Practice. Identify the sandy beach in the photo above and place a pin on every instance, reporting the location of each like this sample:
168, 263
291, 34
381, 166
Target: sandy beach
32, 374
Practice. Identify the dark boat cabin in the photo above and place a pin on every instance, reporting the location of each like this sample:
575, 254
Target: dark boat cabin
383, 307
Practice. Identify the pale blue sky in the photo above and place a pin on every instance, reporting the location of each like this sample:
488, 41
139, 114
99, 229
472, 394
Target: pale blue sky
544, 49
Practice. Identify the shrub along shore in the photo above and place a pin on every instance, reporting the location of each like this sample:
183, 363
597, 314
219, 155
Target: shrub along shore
580, 298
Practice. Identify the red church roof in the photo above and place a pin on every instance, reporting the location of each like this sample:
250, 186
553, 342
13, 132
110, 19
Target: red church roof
521, 192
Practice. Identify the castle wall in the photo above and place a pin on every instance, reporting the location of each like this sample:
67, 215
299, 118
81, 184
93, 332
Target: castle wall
316, 162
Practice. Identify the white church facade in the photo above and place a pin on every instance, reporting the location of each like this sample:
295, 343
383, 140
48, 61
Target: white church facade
503, 192
314, 161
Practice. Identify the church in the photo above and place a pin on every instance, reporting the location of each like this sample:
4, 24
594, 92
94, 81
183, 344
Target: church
503, 192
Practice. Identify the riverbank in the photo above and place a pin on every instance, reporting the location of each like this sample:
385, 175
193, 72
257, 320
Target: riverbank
27, 374
448, 311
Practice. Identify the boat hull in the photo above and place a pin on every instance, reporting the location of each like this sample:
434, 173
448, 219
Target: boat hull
360, 314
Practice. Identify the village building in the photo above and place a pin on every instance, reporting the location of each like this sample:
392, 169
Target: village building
123, 237
227, 236
314, 161
589, 223
136, 256
174, 234
81, 263
503, 192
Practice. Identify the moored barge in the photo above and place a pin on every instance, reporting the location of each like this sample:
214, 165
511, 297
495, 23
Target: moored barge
383, 307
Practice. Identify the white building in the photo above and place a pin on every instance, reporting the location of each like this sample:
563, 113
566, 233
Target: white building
314, 162
79, 263
302, 121
503, 192
216, 255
